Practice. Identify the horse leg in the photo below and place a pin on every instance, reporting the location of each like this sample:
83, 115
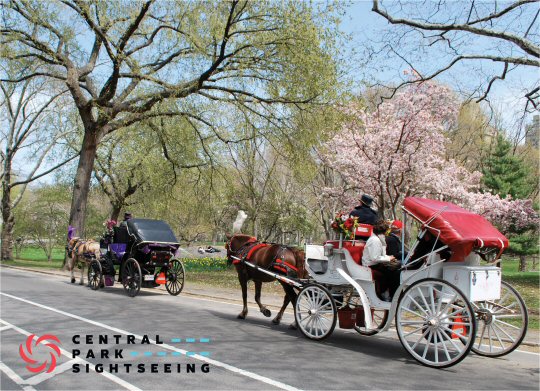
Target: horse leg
71, 266
83, 264
286, 301
291, 294
258, 288
243, 284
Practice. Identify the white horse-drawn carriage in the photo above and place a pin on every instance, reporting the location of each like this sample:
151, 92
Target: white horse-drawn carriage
443, 307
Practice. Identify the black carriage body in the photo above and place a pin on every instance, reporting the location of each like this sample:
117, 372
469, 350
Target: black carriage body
144, 249
151, 242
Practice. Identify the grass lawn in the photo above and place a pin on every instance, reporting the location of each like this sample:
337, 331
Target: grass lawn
216, 272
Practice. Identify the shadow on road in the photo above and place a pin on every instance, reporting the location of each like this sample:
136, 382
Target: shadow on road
381, 346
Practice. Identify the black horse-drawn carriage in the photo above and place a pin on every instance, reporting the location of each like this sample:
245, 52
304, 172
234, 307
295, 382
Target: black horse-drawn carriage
144, 250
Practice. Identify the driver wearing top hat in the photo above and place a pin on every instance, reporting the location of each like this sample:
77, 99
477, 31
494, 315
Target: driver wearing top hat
363, 212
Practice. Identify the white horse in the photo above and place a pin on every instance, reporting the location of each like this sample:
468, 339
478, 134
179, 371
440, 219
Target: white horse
81, 252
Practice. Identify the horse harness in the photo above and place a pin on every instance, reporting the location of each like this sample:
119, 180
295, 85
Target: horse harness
78, 244
247, 250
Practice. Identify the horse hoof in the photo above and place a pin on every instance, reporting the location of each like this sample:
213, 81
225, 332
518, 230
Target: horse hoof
241, 316
293, 326
276, 321
266, 312
73, 281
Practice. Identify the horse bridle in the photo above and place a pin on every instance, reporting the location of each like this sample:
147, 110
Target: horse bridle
240, 253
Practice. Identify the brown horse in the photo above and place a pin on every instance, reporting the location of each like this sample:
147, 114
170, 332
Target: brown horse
266, 256
81, 252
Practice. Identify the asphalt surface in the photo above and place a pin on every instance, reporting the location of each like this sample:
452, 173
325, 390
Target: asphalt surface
249, 354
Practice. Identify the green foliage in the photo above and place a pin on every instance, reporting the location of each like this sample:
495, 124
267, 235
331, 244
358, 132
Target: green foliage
525, 244
505, 173
205, 264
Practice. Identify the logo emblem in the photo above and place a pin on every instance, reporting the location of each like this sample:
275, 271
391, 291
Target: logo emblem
27, 350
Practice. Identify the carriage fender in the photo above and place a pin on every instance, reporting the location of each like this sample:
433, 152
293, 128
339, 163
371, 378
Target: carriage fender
363, 297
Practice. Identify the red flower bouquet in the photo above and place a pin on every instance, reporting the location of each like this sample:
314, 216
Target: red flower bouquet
345, 225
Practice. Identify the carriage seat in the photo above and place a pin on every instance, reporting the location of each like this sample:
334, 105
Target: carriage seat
355, 248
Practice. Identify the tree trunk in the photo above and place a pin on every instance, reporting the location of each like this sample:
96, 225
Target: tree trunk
8, 220
116, 212
81, 186
522, 263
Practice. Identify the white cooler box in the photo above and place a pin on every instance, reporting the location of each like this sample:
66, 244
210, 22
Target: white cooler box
478, 283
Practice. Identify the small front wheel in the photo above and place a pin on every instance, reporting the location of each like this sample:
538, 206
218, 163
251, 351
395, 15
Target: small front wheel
95, 275
175, 277
131, 277
315, 312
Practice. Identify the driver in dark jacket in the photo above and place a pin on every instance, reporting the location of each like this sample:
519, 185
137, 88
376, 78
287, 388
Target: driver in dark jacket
363, 212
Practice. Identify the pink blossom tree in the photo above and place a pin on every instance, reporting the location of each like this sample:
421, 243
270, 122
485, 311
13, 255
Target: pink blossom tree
398, 150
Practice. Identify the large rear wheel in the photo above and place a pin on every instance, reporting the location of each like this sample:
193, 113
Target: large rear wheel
435, 323
131, 277
502, 323
175, 277
315, 312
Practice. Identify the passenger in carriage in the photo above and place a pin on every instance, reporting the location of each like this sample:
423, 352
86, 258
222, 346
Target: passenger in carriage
393, 241
363, 212
387, 266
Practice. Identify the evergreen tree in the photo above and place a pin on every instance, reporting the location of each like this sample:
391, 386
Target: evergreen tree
505, 173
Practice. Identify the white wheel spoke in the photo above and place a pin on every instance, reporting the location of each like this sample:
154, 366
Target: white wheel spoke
509, 316
508, 324
419, 339
449, 338
498, 337
432, 299
414, 331
424, 299
412, 312
482, 335
504, 332
435, 347
443, 343
426, 348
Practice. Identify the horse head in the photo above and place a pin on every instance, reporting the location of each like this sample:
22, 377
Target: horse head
299, 257
235, 243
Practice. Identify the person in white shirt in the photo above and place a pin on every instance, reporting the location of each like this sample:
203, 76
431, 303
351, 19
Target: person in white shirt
375, 257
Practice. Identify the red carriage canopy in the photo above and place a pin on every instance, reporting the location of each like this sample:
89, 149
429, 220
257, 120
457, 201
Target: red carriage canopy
459, 228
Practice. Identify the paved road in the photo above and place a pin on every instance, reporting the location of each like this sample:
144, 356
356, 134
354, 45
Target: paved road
241, 355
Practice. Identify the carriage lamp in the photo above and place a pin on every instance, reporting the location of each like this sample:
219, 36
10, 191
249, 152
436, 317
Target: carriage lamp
328, 249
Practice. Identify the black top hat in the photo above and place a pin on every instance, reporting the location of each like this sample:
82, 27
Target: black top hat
366, 200
127, 216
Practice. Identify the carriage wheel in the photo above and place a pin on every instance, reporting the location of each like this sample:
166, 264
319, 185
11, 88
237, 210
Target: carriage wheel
315, 312
379, 318
131, 277
95, 275
175, 277
435, 323
502, 323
